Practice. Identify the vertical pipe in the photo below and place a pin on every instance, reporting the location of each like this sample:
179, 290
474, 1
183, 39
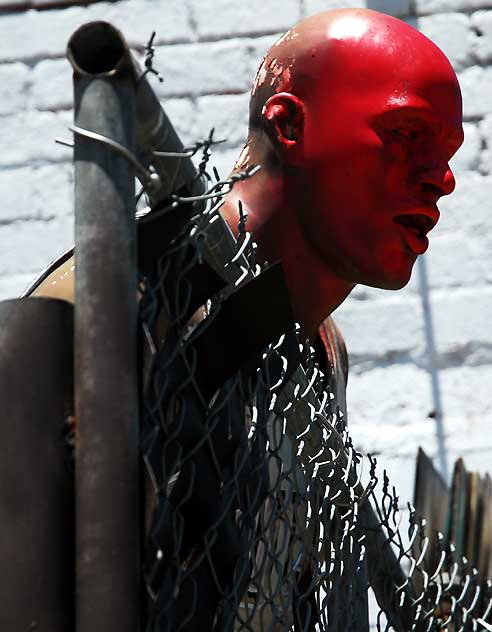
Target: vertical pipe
438, 414
106, 398
36, 476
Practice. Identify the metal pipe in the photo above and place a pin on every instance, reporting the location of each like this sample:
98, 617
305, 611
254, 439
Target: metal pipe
154, 131
36, 477
106, 395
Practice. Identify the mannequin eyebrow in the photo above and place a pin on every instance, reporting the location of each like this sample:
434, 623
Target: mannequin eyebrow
409, 114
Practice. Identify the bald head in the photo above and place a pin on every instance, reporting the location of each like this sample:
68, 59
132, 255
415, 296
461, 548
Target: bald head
346, 49
354, 117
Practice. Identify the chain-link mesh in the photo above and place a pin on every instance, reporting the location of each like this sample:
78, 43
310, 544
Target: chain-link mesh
256, 517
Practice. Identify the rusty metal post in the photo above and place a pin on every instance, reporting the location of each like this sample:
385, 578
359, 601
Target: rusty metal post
106, 396
36, 473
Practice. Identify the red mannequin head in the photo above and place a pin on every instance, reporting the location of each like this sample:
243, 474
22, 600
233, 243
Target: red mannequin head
354, 116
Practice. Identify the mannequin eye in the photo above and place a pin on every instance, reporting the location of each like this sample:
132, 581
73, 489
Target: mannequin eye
406, 133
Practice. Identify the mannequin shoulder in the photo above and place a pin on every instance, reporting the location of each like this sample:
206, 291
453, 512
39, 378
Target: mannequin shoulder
57, 281
335, 346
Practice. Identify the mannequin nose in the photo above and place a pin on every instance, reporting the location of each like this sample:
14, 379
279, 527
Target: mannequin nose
441, 181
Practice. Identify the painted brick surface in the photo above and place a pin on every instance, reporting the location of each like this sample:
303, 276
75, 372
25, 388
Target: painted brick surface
453, 34
28, 246
386, 340
36, 193
316, 6
476, 86
468, 157
258, 47
30, 138
408, 398
14, 79
208, 52
404, 422
390, 427
438, 6
35, 35
12, 286
398, 8
222, 18
51, 85
470, 325
482, 23
486, 137
138, 18
456, 260
468, 208
182, 113
204, 68
228, 114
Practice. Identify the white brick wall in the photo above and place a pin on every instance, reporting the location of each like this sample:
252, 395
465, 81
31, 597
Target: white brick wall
452, 32
208, 52
224, 19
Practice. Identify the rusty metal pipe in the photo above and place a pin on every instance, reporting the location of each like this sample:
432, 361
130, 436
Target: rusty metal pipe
98, 47
36, 476
106, 395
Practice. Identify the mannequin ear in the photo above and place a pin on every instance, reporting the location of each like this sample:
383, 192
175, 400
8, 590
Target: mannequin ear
284, 120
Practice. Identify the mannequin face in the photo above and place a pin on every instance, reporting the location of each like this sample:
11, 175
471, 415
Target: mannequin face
376, 148
371, 160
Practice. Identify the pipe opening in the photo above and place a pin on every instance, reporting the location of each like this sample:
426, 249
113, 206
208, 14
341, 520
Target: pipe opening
96, 48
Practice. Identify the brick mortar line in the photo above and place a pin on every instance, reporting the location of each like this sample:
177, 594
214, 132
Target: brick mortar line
467, 12
162, 99
33, 60
35, 219
359, 363
34, 164
28, 219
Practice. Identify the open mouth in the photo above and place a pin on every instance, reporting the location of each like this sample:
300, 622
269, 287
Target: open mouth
416, 226
420, 224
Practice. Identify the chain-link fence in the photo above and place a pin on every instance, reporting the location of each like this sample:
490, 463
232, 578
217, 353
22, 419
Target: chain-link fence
256, 515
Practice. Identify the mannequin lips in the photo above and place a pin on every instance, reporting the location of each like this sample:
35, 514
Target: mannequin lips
415, 228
